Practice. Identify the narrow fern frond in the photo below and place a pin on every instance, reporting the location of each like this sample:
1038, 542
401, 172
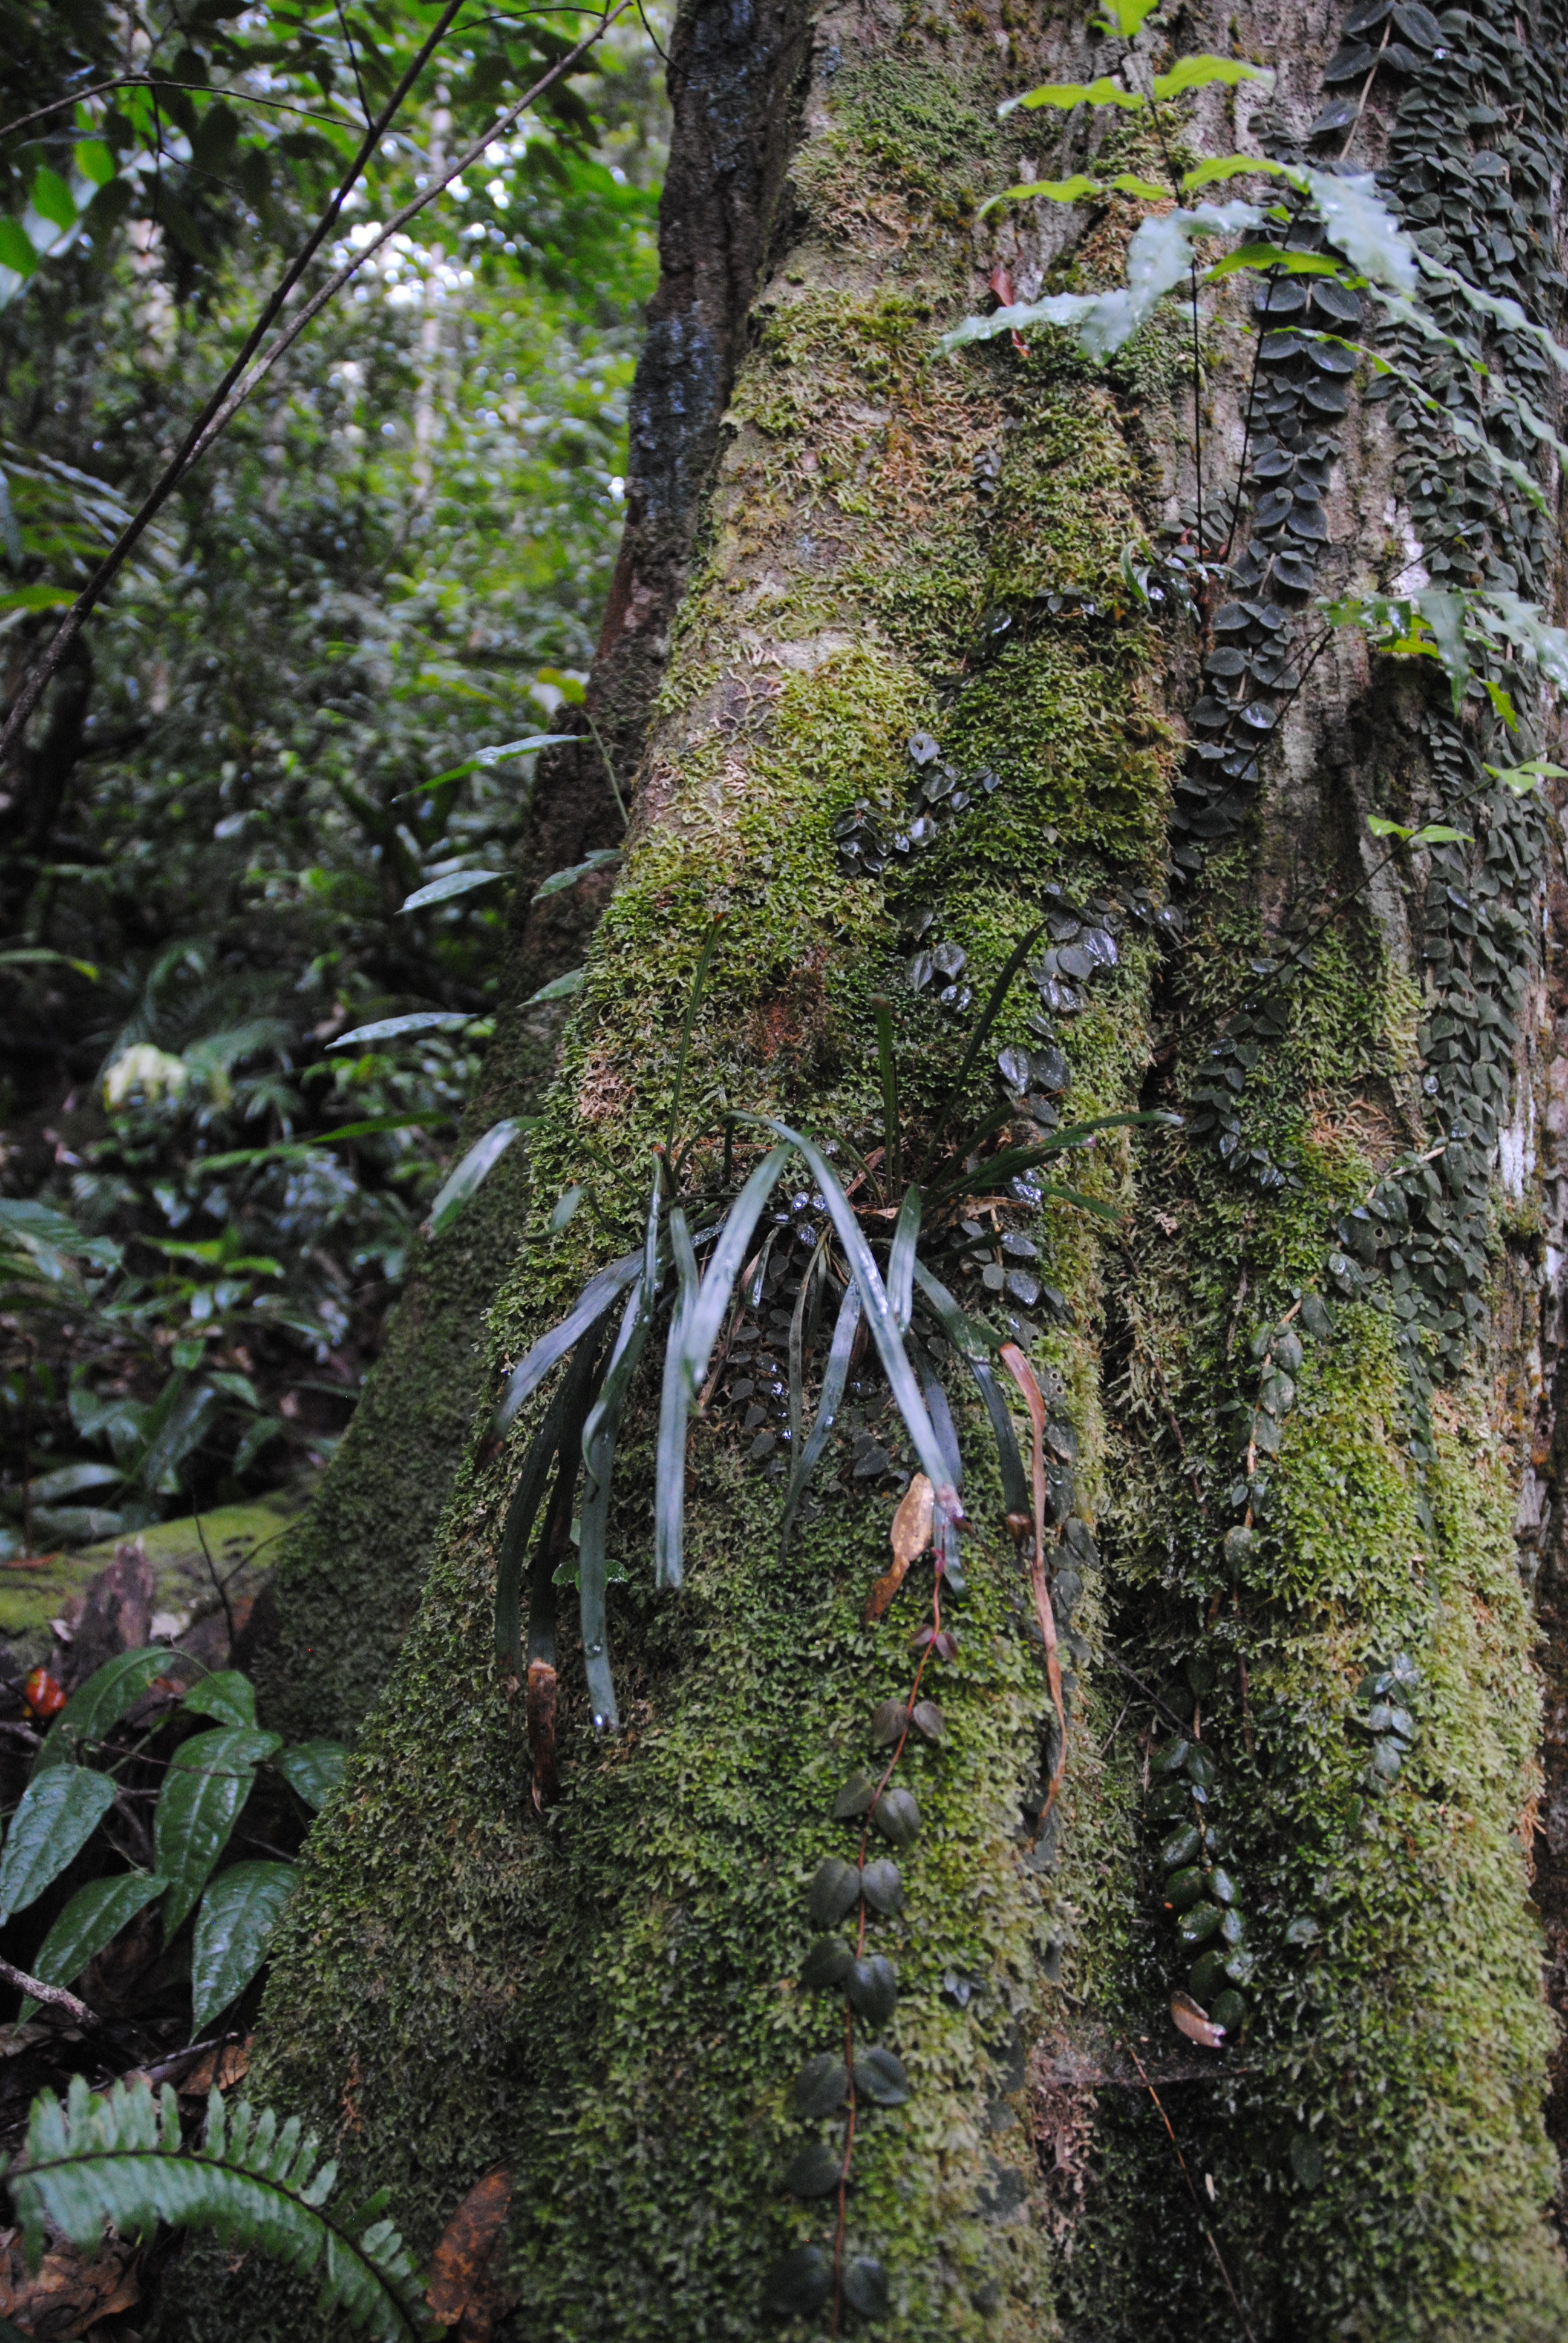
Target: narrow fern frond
118, 2158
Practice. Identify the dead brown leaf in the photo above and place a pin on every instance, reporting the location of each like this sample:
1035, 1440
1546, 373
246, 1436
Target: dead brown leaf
541, 1714
225, 2064
69, 2292
910, 1536
1192, 2020
465, 2289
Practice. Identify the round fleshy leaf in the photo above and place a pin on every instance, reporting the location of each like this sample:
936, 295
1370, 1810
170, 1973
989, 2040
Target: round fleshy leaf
834, 1891
815, 2171
872, 1986
897, 1816
880, 2077
1306, 2159
928, 1722
827, 1963
882, 1887
887, 1723
1181, 1847
801, 2283
821, 2086
1229, 2008
866, 2287
1198, 1922
1185, 1887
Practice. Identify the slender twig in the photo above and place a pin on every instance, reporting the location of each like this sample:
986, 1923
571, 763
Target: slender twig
167, 81
609, 770
1187, 2176
1177, 1723
34, 683
54, 1997
1354, 123
212, 1572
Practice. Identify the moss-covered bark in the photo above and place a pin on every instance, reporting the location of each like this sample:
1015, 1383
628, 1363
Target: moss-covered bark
608, 2001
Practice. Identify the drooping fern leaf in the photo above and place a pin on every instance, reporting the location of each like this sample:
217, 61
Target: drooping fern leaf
118, 2157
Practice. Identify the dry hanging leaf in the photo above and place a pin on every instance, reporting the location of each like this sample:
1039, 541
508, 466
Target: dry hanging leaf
541, 1712
910, 1536
1195, 2023
465, 2287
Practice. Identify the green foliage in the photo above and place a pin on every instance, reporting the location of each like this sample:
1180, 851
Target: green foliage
121, 2159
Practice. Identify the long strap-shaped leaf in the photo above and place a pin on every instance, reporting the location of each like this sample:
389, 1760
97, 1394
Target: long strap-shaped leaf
592, 1304
901, 1260
1023, 1375
1024, 1159
944, 1534
884, 1327
592, 1565
971, 1338
836, 1376
693, 1335
557, 1432
624, 1358
816, 1267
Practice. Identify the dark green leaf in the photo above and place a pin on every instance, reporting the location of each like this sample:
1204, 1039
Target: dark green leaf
872, 1986
594, 1302
228, 1696
854, 1798
928, 1722
835, 1376
827, 1964
880, 2077
888, 1721
882, 1887
801, 2283
901, 1260
694, 1331
821, 2086
96, 1707
866, 2283
91, 1919
814, 2171
207, 1783
442, 890
313, 1769
61, 1808
1185, 1886
1180, 1847
897, 1816
559, 880
561, 1430
240, 1912
982, 1031
471, 1174
834, 1893
559, 988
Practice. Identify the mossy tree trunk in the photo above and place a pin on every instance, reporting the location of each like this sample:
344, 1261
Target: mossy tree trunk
608, 2001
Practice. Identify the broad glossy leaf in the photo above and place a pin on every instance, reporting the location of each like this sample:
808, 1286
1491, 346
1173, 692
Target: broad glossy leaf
821, 2086
814, 2171
96, 1707
442, 890
471, 1173
882, 1885
238, 1916
827, 1964
834, 1890
898, 1817
880, 2077
872, 1986
228, 1696
313, 1769
866, 2283
60, 1809
801, 2283
209, 1781
91, 1919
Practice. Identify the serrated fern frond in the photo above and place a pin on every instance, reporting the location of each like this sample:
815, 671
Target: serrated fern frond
118, 2157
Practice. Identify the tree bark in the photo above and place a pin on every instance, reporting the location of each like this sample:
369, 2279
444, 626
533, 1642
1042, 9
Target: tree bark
607, 2000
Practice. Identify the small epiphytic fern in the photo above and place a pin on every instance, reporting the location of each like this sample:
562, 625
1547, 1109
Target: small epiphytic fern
119, 2157
907, 1313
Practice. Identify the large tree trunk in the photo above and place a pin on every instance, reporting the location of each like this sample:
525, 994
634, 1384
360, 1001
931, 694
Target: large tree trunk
605, 2001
